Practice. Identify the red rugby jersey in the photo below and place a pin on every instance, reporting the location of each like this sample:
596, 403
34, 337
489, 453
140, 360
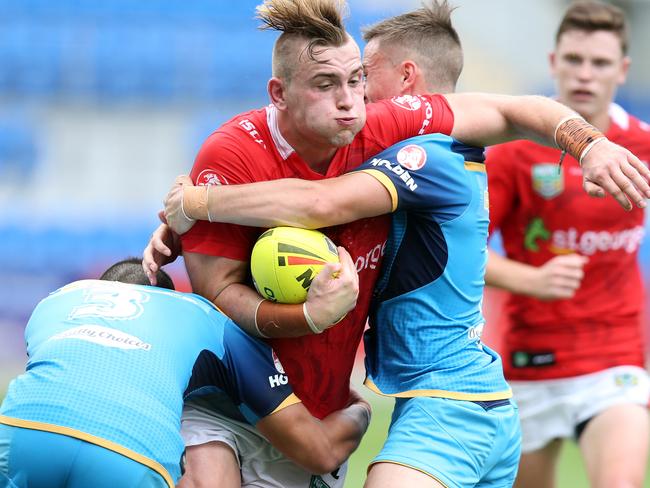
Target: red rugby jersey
543, 213
250, 148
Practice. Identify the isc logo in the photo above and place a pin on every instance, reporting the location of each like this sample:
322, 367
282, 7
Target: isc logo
278, 379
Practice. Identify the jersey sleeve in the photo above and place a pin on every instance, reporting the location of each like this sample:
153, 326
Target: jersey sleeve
425, 173
221, 161
258, 378
391, 121
501, 182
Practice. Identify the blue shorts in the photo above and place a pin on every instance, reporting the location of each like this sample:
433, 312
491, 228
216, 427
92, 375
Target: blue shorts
459, 443
35, 459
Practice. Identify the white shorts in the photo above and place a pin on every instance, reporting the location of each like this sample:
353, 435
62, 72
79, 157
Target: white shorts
261, 464
551, 409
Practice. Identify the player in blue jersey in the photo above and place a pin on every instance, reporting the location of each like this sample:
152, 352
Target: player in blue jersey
110, 361
453, 424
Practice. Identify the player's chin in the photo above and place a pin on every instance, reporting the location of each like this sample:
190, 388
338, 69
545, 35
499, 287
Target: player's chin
345, 136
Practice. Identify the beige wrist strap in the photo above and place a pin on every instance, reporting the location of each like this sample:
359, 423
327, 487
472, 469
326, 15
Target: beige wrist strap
195, 202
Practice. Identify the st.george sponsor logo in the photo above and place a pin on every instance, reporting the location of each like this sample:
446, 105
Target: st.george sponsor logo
398, 170
591, 242
104, 336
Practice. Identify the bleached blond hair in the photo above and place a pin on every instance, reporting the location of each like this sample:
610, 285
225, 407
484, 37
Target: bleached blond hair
320, 22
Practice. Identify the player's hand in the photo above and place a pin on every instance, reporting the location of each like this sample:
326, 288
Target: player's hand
163, 247
334, 291
560, 277
610, 168
174, 213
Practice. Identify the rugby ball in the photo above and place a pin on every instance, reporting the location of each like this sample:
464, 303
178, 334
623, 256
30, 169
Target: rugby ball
285, 260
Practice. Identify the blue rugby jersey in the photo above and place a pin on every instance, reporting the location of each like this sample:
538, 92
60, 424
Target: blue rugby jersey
426, 320
109, 363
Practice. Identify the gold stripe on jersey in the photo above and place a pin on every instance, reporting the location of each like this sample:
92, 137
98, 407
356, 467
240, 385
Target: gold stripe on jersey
287, 402
453, 395
98, 441
388, 184
478, 167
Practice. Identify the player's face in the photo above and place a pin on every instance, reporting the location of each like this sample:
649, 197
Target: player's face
382, 75
588, 68
325, 95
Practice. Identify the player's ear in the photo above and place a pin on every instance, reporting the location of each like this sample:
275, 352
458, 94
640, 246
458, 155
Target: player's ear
625, 67
552, 58
277, 93
409, 71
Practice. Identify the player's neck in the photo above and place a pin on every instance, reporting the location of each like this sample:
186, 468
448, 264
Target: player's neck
317, 155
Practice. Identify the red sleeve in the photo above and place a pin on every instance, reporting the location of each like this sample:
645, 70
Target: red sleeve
500, 166
399, 118
222, 162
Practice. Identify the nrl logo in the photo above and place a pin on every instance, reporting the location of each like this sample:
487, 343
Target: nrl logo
548, 181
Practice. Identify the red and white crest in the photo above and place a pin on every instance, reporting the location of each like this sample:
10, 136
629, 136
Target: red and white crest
408, 102
208, 177
276, 361
412, 157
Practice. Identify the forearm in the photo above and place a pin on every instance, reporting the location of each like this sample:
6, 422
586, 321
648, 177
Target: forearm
484, 120
290, 201
345, 429
220, 280
509, 275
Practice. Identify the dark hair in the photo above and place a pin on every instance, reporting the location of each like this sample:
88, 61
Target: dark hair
593, 16
130, 271
428, 35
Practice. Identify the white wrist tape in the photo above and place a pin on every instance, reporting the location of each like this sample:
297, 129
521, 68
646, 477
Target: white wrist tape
310, 322
588, 148
262, 334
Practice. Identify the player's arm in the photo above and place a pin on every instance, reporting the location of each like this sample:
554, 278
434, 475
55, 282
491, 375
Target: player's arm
482, 119
332, 294
290, 201
319, 446
558, 278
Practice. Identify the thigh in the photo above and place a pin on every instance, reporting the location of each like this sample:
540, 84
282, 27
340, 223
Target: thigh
614, 445
451, 441
537, 468
213, 464
260, 464
391, 475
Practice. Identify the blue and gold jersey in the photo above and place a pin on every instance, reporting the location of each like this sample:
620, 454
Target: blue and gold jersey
109, 363
426, 321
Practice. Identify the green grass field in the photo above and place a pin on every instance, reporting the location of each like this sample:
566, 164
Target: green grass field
571, 473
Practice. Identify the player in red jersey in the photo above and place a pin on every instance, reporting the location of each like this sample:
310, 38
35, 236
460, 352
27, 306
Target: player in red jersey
316, 114
576, 363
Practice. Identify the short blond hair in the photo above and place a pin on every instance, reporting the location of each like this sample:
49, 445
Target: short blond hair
320, 22
428, 34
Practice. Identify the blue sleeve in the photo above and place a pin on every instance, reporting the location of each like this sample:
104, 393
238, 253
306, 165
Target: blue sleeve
259, 379
426, 173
